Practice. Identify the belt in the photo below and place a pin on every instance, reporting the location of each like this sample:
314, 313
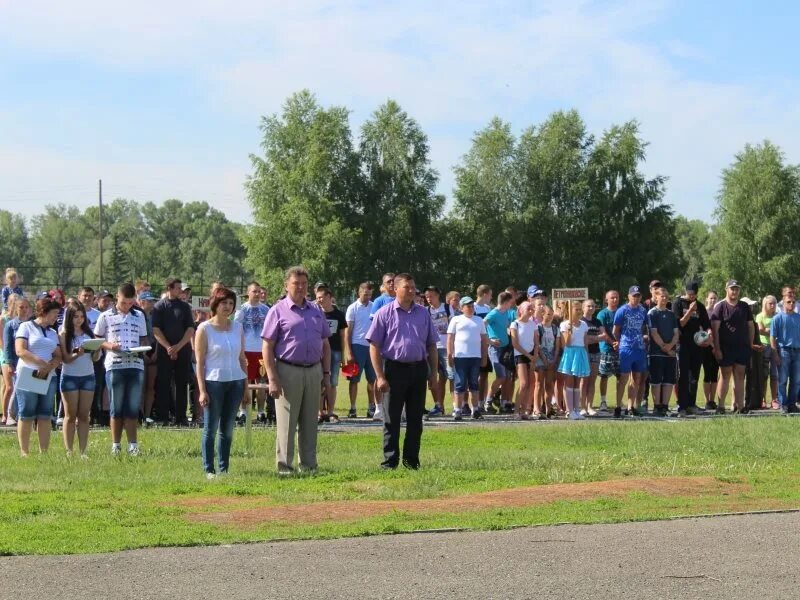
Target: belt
294, 364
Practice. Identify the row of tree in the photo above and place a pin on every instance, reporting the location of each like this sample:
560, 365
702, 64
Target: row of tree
61, 247
555, 205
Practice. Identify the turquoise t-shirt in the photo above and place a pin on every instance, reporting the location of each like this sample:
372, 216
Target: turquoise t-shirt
497, 325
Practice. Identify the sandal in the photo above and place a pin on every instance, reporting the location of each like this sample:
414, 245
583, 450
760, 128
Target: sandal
333, 418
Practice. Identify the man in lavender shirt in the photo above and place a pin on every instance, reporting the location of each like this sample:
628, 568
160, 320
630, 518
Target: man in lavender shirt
298, 360
403, 335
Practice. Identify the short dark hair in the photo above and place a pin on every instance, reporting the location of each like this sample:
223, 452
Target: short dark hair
221, 294
171, 282
127, 289
86, 288
388, 275
483, 289
365, 285
45, 305
403, 277
324, 289
503, 297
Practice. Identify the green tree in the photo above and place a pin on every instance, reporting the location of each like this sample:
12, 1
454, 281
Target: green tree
399, 204
14, 243
60, 236
694, 243
758, 217
302, 192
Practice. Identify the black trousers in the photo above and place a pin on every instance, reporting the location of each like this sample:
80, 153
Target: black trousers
710, 367
690, 359
407, 388
170, 371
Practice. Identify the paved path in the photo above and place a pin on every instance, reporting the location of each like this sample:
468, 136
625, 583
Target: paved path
745, 557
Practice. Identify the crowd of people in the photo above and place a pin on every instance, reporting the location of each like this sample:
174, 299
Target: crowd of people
132, 358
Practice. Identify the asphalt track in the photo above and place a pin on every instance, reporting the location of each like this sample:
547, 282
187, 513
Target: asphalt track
733, 557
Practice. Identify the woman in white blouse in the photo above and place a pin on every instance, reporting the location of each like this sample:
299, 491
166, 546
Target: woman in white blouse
36, 345
222, 374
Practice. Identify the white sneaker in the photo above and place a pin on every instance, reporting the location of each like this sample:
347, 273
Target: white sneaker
59, 422
115, 450
133, 451
10, 422
583, 412
603, 405
211, 476
84, 456
378, 416
591, 412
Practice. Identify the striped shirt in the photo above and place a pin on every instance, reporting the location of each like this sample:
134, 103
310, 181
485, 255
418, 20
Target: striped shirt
125, 330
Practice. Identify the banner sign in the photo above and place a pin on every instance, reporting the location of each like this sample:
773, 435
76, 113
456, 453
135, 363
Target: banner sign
570, 294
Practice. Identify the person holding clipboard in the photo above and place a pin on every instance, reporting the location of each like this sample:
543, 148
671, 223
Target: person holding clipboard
80, 351
125, 333
36, 345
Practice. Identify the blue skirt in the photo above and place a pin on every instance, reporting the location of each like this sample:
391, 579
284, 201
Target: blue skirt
575, 362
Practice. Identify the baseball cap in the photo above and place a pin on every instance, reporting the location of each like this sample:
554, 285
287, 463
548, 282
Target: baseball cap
691, 286
749, 301
105, 294
732, 283
634, 291
146, 296
655, 283
185, 287
466, 300
433, 288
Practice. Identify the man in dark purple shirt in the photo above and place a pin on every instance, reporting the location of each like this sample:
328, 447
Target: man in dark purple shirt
298, 360
403, 335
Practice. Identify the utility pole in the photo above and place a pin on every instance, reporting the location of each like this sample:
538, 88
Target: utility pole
100, 198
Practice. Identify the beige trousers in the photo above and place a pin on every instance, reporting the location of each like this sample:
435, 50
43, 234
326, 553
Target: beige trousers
297, 410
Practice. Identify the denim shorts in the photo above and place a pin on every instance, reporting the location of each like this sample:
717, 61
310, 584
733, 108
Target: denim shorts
336, 366
75, 383
364, 362
494, 358
466, 374
31, 405
124, 392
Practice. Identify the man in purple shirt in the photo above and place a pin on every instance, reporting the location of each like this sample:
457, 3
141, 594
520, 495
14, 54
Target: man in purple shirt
298, 360
403, 335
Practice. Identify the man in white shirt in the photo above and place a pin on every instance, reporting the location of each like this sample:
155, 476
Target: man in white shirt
123, 329
467, 352
252, 315
86, 296
357, 347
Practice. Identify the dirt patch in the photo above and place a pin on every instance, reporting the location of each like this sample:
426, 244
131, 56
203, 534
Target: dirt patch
353, 510
213, 502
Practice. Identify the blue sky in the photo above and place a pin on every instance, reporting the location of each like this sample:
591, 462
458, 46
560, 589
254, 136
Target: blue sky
163, 99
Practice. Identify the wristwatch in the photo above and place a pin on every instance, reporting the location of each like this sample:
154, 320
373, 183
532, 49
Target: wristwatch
326, 372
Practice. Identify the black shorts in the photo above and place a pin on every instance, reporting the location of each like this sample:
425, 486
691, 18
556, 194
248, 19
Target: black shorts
663, 370
521, 359
734, 355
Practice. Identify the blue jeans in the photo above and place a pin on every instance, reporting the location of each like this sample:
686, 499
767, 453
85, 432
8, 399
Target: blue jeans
790, 369
124, 392
224, 398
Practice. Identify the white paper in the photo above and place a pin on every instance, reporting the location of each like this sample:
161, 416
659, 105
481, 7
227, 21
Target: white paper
91, 345
28, 383
139, 349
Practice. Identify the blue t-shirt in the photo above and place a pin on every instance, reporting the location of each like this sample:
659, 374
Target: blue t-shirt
381, 301
631, 322
606, 318
786, 330
665, 323
497, 325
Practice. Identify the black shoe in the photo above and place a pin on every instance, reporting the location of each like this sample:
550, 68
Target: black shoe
352, 414
618, 413
711, 405
410, 465
466, 410
425, 411
241, 419
183, 423
262, 418
488, 407
371, 411
720, 410
476, 414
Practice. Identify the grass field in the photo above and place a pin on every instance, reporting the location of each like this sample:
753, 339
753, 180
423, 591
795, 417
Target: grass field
51, 504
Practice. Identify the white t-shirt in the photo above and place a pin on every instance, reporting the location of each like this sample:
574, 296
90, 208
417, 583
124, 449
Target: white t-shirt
252, 320
526, 334
92, 314
467, 332
82, 366
42, 342
440, 322
125, 330
578, 332
359, 315
223, 349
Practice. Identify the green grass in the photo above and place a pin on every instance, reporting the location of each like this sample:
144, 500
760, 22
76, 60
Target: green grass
51, 504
